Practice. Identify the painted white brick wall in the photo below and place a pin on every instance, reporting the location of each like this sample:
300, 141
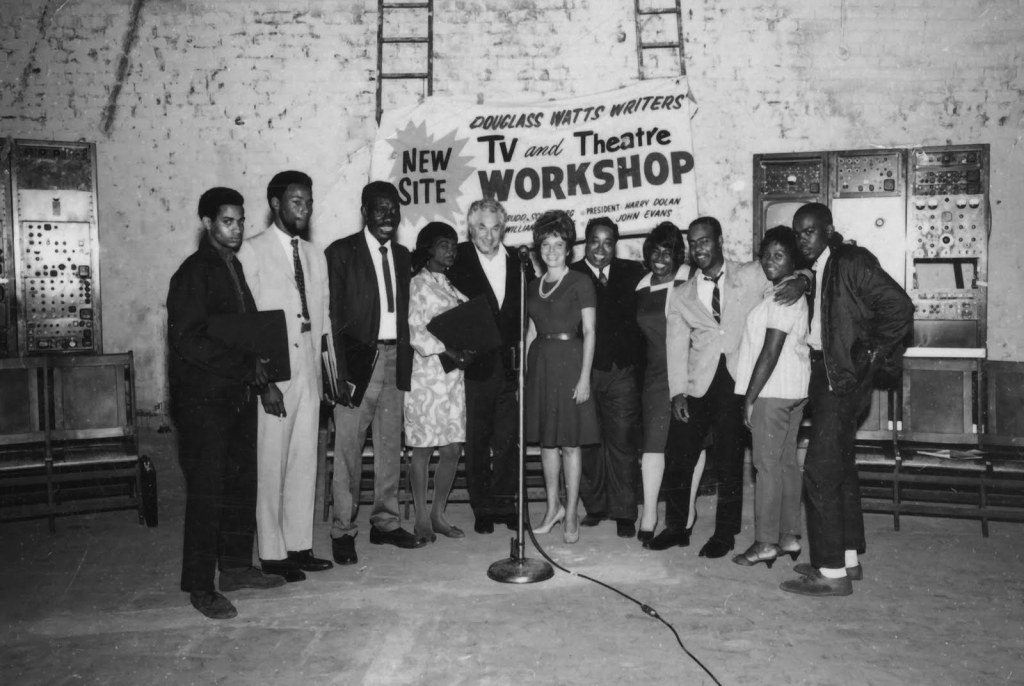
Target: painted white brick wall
228, 93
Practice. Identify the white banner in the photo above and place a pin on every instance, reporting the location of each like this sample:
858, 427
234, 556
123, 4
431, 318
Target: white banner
626, 154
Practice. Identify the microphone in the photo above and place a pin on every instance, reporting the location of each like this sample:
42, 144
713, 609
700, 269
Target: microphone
524, 253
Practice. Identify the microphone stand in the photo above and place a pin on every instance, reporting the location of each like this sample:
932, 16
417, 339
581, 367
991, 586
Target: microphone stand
517, 568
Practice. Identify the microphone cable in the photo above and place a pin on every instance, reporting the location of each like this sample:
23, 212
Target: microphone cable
645, 608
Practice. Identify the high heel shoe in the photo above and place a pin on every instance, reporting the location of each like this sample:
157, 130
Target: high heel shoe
425, 533
644, 536
570, 536
790, 545
758, 552
547, 527
446, 529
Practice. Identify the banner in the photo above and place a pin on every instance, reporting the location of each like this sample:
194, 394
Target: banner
625, 154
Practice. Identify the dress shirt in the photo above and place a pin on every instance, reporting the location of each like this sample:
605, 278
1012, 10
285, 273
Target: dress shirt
814, 337
388, 320
286, 244
496, 271
607, 269
706, 289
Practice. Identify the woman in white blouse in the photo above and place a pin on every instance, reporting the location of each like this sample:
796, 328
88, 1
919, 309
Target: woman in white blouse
772, 375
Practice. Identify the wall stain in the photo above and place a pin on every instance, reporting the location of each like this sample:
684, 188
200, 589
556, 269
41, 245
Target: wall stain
30, 67
110, 111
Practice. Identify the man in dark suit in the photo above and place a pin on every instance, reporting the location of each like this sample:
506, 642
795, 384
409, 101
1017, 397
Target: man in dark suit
485, 267
608, 486
213, 394
369, 276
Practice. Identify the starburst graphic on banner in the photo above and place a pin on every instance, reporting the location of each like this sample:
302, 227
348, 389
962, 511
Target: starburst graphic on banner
429, 173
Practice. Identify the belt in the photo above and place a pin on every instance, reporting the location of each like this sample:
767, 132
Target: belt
387, 341
817, 355
556, 336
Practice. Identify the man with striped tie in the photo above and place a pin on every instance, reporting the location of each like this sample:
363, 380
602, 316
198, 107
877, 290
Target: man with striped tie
706, 317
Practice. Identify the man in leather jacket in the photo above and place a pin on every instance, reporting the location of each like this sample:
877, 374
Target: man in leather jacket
860, 322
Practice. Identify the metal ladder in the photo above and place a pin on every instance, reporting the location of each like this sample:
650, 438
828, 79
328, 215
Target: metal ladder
642, 46
386, 7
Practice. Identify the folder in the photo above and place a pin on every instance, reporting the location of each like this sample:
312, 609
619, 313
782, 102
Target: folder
360, 360
264, 333
468, 326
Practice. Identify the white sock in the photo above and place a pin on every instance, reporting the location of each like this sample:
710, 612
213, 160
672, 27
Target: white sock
851, 558
832, 573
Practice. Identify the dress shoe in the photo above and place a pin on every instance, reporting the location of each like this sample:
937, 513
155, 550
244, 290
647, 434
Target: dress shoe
400, 538
790, 545
855, 573
570, 535
213, 604
717, 546
593, 519
624, 528
758, 552
425, 532
286, 568
483, 525
669, 538
305, 561
550, 524
644, 536
247, 577
343, 548
449, 530
818, 585
511, 521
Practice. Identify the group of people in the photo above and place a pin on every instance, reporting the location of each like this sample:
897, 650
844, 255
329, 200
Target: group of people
636, 376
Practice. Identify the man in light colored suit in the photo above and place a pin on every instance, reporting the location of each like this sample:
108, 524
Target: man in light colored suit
286, 273
706, 317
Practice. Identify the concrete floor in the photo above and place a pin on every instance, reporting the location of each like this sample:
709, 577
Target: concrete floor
98, 603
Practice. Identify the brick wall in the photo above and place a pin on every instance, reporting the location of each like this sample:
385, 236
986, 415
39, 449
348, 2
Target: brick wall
228, 93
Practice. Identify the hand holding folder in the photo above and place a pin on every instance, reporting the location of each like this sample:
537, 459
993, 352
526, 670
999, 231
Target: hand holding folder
468, 327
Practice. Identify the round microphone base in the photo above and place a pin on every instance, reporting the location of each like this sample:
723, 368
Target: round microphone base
520, 571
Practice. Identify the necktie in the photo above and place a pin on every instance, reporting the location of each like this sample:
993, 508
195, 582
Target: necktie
602, 277
716, 304
387, 278
300, 283
810, 296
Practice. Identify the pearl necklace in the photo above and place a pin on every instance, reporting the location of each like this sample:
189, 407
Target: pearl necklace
540, 286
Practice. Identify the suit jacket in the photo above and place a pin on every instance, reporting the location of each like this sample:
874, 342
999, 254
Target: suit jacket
201, 287
271, 277
619, 340
695, 341
468, 276
355, 300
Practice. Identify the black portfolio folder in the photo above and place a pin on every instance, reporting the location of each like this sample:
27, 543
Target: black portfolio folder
360, 359
264, 333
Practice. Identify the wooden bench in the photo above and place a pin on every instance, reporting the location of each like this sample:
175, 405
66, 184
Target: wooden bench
69, 439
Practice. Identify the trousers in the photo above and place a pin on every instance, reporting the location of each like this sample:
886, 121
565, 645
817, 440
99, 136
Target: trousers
720, 412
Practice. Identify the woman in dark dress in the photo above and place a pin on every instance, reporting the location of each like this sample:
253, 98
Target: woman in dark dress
560, 414
664, 251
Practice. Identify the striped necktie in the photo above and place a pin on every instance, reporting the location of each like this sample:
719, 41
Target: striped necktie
716, 303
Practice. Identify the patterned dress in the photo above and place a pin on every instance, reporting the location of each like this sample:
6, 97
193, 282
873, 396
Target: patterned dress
435, 406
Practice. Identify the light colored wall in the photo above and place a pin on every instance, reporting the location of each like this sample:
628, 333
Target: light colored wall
228, 93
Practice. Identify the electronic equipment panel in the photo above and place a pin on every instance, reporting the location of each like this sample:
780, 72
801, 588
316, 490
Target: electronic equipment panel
782, 183
948, 224
8, 307
868, 203
56, 247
